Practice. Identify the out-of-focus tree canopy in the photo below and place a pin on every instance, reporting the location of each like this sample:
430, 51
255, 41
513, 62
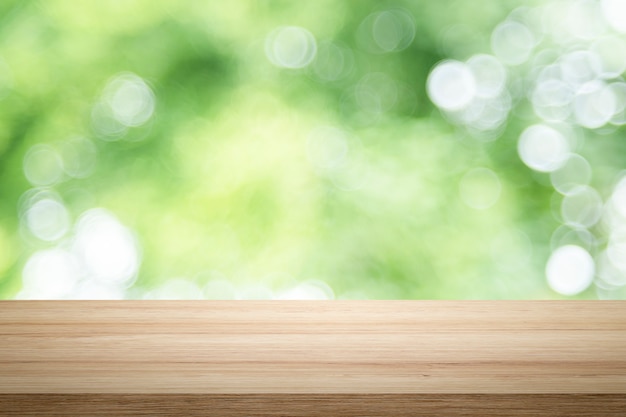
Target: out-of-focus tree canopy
285, 149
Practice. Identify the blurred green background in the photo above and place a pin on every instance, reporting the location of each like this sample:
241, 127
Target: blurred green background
282, 149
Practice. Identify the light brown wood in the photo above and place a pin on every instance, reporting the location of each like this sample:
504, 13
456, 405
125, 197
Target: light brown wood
217, 349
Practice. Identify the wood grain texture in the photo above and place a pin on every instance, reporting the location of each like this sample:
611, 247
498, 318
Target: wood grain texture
314, 405
420, 354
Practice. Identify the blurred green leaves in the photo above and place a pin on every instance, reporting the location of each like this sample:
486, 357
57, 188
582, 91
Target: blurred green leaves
237, 173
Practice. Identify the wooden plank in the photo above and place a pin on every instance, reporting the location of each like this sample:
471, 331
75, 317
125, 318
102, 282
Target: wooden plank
313, 405
497, 353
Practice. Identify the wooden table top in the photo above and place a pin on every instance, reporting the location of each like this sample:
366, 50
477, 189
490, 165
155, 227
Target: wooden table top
359, 349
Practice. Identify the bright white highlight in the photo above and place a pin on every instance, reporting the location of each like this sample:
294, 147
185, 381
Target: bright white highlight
582, 19
107, 249
95, 290
49, 274
451, 85
570, 270
543, 148
615, 14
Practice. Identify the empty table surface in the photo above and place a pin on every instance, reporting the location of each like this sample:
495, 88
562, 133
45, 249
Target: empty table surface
313, 358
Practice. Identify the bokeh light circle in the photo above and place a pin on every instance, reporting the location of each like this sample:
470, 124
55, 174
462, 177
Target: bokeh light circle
290, 47
570, 270
451, 85
543, 148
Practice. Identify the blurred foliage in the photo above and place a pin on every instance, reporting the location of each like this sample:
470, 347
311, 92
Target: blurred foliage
236, 176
